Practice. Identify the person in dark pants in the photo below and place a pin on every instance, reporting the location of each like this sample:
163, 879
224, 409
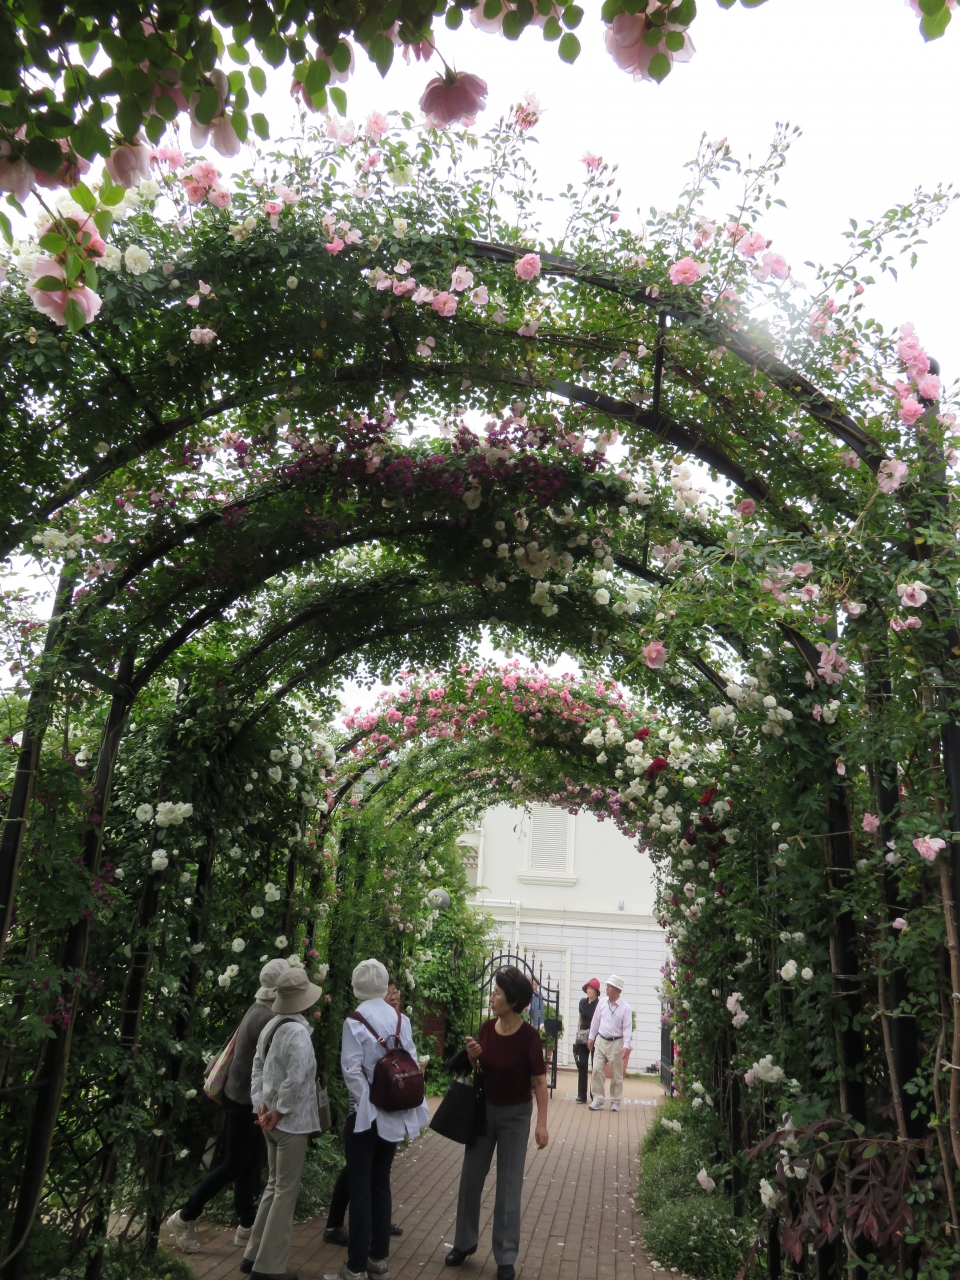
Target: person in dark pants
335, 1232
243, 1141
581, 1053
371, 1134
510, 1054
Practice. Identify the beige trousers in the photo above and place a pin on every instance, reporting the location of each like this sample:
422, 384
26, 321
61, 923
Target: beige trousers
269, 1245
605, 1051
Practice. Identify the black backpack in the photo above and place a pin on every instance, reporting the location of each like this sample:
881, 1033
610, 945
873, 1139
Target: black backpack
397, 1083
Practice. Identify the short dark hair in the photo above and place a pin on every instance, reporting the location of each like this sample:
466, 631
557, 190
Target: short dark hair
515, 986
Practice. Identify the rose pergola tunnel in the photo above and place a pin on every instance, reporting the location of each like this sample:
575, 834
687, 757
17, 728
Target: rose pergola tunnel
347, 429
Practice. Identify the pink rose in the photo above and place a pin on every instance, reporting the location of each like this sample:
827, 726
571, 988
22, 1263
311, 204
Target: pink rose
591, 161
686, 271
128, 163
751, 244
900, 923
219, 197
910, 410
891, 474
202, 337
453, 96
445, 304
376, 126
928, 847
654, 654
461, 280
749, 1077
747, 507
195, 190
928, 387
53, 303
528, 266
480, 297
17, 177
913, 623
912, 593
802, 569
205, 173
870, 822
335, 245
771, 265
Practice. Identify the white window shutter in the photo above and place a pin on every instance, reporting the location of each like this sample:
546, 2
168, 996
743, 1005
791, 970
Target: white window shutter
549, 839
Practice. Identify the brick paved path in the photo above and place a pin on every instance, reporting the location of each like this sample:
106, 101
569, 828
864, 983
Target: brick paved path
578, 1215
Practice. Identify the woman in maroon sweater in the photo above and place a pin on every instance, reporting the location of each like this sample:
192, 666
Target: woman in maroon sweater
511, 1057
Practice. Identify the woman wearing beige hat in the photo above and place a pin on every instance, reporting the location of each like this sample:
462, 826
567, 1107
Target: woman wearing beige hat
283, 1089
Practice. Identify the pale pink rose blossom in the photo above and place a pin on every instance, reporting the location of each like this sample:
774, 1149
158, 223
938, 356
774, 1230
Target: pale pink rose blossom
912, 594
928, 847
928, 387
870, 822
897, 624
424, 294
403, 287
335, 245
624, 39
375, 127
686, 271
445, 304
453, 96
529, 329
891, 474
353, 236
193, 300
850, 459
913, 623
654, 655
751, 244
17, 177
591, 161
207, 174
841, 769
900, 923
202, 337
461, 280
480, 297
771, 265
706, 1181
749, 1077
740, 1019
219, 197
128, 163
802, 569
910, 410
734, 231
746, 508
53, 303
528, 267
817, 709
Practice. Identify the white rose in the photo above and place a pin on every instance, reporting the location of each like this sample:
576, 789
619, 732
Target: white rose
789, 971
190, 1094
144, 813
159, 861
602, 596
137, 260
256, 912
111, 259
237, 945
232, 970
274, 773
149, 188
224, 980
280, 941
806, 974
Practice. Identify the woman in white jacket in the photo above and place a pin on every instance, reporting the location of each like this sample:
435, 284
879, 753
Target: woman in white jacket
371, 1136
283, 1089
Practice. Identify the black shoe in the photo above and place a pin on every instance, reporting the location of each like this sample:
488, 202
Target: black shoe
246, 1266
457, 1257
337, 1235
505, 1271
395, 1230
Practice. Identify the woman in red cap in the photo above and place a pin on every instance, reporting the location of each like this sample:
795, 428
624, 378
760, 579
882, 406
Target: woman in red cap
581, 1053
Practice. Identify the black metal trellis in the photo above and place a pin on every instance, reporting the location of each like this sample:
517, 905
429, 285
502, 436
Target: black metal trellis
548, 1014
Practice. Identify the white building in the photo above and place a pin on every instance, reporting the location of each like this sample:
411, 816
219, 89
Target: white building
579, 895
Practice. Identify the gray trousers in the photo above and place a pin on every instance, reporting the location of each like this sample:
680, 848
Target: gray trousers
508, 1129
269, 1245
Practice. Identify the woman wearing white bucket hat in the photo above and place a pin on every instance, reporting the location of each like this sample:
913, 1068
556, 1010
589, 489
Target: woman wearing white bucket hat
609, 1041
284, 1093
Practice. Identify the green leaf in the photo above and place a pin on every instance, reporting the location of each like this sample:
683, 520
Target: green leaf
155, 128
129, 117
933, 27
659, 67
652, 37
72, 268
513, 25
258, 79
569, 47
209, 104
88, 50
237, 53
932, 7
572, 16
73, 314
752, 4
84, 197
552, 29
610, 10
110, 192
44, 154
726, 4
6, 228
684, 13
52, 242
453, 17
274, 50
674, 41
339, 100
341, 56
381, 52
317, 77
48, 284
240, 125
492, 8
261, 126
164, 106
90, 275
103, 221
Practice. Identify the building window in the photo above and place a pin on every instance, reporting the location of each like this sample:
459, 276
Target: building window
549, 855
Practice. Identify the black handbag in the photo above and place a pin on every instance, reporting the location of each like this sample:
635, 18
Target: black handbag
462, 1114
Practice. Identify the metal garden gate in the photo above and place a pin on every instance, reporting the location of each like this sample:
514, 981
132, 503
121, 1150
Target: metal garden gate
546, 1017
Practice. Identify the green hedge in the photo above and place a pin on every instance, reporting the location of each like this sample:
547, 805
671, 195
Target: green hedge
683, 1225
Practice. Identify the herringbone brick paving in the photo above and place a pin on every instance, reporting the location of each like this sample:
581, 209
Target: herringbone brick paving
579, 1221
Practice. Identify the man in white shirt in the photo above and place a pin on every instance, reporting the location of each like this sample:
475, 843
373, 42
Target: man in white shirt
609, 1042
371, 1135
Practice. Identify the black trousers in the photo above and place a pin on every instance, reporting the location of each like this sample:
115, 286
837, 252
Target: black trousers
339, 1199
242, 1156
581, 1055
369, 1159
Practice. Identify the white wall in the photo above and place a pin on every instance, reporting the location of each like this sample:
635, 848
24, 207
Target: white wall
587, 918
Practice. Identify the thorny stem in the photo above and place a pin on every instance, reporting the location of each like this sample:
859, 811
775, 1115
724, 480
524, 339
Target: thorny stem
891, 1061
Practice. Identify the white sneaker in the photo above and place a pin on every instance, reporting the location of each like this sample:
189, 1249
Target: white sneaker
378, 1267
185, 1233
345, 1274
242, 1235
596, 1104
614, 1106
